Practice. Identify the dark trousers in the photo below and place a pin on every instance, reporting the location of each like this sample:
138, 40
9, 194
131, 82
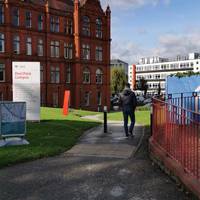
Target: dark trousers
129, 113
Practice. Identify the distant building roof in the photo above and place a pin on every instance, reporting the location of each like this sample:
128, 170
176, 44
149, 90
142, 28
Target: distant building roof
156, 59
116, 61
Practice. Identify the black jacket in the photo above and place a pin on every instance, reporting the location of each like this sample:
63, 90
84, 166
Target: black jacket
128, 99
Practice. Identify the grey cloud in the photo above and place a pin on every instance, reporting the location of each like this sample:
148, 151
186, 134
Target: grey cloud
168, 45
125, 4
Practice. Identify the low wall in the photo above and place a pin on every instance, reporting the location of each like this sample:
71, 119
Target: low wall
173, 168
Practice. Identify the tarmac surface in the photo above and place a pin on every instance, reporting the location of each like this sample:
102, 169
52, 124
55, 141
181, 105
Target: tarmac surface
100, 167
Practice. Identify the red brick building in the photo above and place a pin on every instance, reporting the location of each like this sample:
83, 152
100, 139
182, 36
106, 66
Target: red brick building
71, 40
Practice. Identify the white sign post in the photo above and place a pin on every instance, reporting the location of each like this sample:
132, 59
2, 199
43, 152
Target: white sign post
26, 87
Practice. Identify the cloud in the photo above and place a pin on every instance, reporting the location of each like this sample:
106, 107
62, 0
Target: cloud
125, 4
141, 31
127, 51
168, 45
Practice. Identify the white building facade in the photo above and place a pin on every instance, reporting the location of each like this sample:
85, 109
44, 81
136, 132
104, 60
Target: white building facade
155, 70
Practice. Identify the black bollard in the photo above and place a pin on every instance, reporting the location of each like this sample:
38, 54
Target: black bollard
105, 119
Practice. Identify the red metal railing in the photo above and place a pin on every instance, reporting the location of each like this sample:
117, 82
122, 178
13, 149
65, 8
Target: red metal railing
176, 131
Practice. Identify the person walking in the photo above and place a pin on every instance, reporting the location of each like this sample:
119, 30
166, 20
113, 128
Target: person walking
128, 102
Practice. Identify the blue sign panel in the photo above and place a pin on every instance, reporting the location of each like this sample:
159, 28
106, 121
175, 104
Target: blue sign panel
12, 119
184, 85
185, 93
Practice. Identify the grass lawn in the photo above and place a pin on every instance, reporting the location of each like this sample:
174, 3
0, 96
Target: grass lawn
142, 117
53, 135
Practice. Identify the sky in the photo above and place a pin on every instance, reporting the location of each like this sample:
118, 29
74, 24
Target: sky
147, 28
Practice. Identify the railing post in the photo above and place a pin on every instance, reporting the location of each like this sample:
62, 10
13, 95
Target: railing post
151, 119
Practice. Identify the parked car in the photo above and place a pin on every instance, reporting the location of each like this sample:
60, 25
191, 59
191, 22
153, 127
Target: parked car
140, 100
147, 101
114, 101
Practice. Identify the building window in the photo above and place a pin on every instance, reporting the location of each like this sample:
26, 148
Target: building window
99, 76
55, 49
28, 46
2, 72
86, 26
68, 51
40, 47
57, 24
68, 29
87, 98
15, 16
86, 76
28, 19
40, 22
2, 43
55, 99
1, 14
68, 74
55, 74
1, 96
54, 24
99, 33
86, 51
41, 74
16, 44
99, 98
42, 98
99, 53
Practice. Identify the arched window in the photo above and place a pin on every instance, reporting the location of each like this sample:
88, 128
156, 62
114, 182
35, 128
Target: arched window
86, 76
86, 26
99, 76
99, 33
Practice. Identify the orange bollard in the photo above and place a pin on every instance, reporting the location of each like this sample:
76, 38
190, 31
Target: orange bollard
66, 103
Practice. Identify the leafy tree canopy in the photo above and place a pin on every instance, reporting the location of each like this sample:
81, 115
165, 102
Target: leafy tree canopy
118, 80
185, 74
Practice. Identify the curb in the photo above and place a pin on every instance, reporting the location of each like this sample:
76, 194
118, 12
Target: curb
90, 130
139, 144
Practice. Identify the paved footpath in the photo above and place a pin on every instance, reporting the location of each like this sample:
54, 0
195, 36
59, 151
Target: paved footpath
100, 167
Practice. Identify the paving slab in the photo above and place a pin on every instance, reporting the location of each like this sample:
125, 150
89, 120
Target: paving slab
113, 144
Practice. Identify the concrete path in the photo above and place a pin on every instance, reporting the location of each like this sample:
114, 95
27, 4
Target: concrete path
113, 144
100, 167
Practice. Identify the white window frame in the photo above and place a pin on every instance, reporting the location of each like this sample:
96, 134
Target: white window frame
28, 46
40, 47
16, 43
2, 41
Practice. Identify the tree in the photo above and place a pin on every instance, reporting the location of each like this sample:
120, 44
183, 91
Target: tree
142, 85
118, 80
185, 74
